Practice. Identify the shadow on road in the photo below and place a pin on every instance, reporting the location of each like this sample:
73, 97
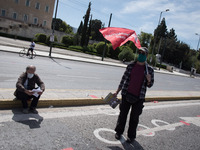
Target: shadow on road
127, 146
32, 120
60, 64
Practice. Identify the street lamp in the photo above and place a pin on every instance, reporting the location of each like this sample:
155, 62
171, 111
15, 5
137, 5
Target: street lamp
198, 41
154, 37
161, 15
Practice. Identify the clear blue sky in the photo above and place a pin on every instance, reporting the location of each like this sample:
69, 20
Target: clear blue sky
138, 15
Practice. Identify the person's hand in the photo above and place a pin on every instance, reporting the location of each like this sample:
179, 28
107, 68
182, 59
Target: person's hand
148, 76
40, 93
115, 94
29, 92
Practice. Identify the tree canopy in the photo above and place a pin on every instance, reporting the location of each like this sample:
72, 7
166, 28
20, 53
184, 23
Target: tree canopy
62, 26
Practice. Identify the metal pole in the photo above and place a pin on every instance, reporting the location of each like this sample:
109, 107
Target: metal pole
105, 40
163, 53
198, 42
155, 38
53, 28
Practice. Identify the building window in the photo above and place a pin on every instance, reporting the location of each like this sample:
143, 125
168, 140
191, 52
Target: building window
44, 23
35, 21
14, 15
16, 1
3, 12
37, 5
46, 8
25, 18
27, 3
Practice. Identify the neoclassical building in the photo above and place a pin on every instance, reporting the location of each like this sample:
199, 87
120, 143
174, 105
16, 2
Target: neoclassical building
26, 12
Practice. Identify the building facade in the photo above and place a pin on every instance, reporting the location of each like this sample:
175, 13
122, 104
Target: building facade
26, 12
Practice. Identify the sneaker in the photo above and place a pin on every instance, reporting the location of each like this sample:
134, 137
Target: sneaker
33, 110
117, 136
130, 140
25, 110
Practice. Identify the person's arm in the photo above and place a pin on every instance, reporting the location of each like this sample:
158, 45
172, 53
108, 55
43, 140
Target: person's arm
150, 78
19, 84
40, 83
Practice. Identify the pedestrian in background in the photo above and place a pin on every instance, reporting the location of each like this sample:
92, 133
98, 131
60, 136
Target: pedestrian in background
32, 46
137, 77
25, 85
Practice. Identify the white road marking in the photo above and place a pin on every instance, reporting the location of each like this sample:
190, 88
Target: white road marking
96, 133
154, 121
171, 105
159, 128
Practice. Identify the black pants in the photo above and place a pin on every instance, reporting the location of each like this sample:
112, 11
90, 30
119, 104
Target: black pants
24, 97
136, 111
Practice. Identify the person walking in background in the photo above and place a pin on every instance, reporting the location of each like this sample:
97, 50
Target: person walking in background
32, 46
26, 89
137, 77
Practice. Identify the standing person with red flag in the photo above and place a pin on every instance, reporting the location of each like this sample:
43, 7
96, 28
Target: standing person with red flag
137, 77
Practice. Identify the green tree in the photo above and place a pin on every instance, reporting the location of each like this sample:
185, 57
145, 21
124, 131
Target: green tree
79, 31
89, 32
84, 30
62, 26
145, 39
160, 33
96, 25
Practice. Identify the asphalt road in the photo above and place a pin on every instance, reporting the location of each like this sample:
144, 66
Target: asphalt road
163, 126
64, 74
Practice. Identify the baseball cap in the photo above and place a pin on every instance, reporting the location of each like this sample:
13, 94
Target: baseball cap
144, 49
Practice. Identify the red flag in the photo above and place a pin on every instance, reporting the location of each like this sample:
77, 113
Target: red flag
119, 36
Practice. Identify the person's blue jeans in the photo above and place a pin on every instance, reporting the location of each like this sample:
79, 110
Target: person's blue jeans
136, 111
24, 98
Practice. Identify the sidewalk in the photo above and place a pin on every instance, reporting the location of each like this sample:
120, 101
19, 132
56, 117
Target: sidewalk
76, 97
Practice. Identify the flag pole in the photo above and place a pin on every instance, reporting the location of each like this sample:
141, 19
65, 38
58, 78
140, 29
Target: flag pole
105, 40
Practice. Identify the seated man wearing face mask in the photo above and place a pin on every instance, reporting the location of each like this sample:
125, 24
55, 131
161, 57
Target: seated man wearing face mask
25, 84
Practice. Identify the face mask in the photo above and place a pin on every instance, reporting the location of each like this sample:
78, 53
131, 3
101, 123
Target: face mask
142, 58
30, 75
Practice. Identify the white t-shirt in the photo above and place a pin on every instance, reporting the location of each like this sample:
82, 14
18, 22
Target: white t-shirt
32, 45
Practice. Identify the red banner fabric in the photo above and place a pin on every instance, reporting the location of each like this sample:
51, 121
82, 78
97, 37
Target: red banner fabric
119, 36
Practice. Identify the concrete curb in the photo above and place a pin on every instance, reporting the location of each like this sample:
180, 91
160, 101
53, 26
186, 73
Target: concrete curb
85, 61
9, 103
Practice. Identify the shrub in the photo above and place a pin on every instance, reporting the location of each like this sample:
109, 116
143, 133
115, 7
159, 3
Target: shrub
67, 40
113, 53
100, 48
126, 54
40, 37
153, 62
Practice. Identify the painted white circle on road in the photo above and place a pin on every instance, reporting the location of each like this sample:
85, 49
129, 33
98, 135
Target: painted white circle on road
154, 121
96, 133
148, 134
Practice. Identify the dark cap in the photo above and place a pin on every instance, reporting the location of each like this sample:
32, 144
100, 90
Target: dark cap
144, 49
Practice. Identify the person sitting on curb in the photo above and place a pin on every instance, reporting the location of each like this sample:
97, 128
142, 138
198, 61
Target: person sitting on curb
25, 85
137, 77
